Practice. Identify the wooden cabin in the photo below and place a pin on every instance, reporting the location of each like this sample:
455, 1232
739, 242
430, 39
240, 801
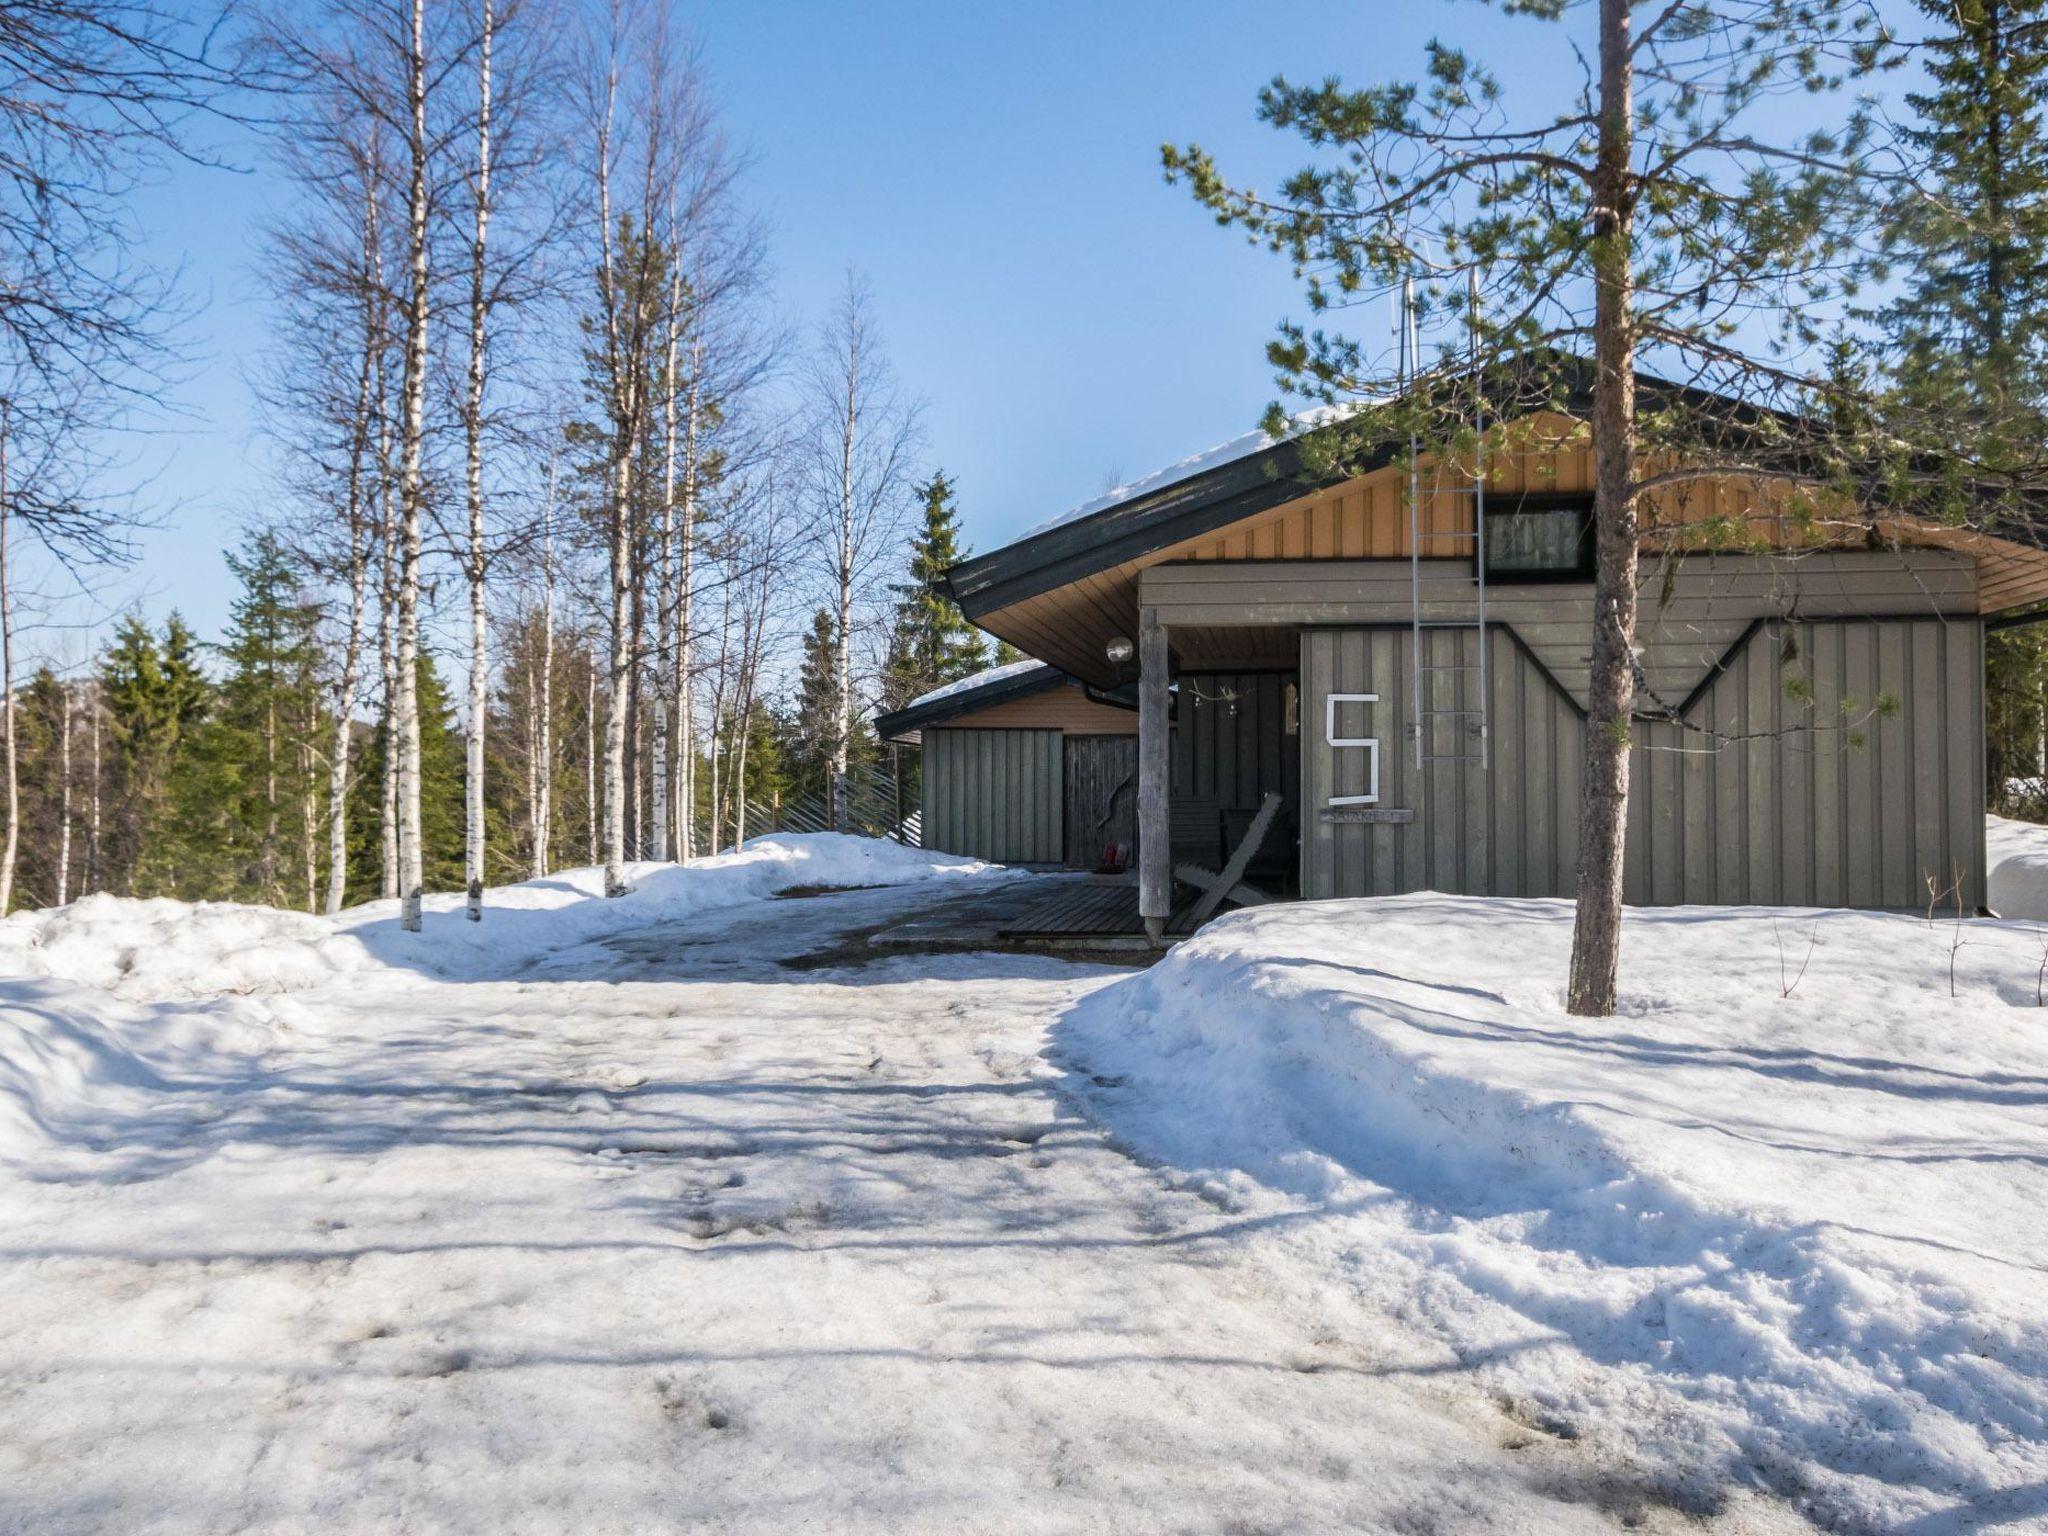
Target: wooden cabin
1810, 728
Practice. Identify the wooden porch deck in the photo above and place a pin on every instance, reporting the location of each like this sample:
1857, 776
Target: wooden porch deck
1094, 910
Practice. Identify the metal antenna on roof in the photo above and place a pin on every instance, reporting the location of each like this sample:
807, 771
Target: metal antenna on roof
1466, 710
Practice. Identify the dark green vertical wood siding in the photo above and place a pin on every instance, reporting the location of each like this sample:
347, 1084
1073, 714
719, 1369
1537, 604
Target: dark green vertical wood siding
995, 794
1763, 795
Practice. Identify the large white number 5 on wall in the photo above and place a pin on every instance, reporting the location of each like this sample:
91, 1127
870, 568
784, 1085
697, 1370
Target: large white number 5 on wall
1370, 743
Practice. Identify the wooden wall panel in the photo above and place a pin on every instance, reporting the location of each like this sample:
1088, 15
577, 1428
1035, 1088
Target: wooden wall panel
1800, 795
1801, 814
995, 794
1686, 624
1506, 831
1067, 708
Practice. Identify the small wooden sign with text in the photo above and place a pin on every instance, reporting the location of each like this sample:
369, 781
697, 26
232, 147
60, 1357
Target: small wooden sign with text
1371, 815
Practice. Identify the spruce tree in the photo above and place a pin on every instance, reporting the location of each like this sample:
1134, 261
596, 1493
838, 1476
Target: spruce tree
807, 731
441, 809
249, 777
1970, 328
154, 693
1969, 331
931, 643
39, 739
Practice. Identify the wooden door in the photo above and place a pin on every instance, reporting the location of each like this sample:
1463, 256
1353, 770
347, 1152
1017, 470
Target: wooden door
1102, 798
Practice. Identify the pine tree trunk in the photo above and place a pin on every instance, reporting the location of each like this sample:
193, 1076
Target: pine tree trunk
412, 436
1611, 690
473, 434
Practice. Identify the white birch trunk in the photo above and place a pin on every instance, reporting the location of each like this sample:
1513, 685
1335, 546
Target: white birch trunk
686, 584
13, 839
623, 406
668, 702
473, 428
92, 825
842, 647
620, 663
63, 794
387, 649
590, 762
544, 738
358, 567
344, 724
387, 600
412, 433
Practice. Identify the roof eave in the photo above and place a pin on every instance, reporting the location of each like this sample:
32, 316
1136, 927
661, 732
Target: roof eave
899, 725
1132, 529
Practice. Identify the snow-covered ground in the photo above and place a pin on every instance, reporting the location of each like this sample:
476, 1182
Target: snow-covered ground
687, 1223
1783, 1222
683, 1212
2016, 853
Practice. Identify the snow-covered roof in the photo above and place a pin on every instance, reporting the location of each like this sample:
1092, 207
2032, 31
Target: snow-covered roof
987, 677
1186, 469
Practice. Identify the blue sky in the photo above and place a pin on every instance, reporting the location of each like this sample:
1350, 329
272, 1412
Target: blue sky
1068, 318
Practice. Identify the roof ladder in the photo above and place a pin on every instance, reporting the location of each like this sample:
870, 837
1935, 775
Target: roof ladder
1465, 719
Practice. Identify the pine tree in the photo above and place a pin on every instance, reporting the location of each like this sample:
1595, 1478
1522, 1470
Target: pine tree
931, 642
1969, 333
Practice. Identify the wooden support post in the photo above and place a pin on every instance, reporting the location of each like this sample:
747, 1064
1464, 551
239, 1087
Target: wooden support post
896, 774
1155, 851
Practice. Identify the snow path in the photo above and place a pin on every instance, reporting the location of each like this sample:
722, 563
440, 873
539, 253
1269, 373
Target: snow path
667, 1235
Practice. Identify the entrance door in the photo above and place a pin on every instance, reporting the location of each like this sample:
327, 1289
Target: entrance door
1102, 798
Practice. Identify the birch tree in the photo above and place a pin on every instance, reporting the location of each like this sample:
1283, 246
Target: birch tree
859, 439
324, 396
543, 792
648, 128
415, 315
475, 558
1648, 211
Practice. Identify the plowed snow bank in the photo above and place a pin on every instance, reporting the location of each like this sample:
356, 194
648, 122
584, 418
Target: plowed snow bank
1797, 1239
175, 949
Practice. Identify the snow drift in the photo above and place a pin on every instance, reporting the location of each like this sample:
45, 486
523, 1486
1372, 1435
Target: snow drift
188, 979
73, 1064
1782, 1221
156, 950
2016, 853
